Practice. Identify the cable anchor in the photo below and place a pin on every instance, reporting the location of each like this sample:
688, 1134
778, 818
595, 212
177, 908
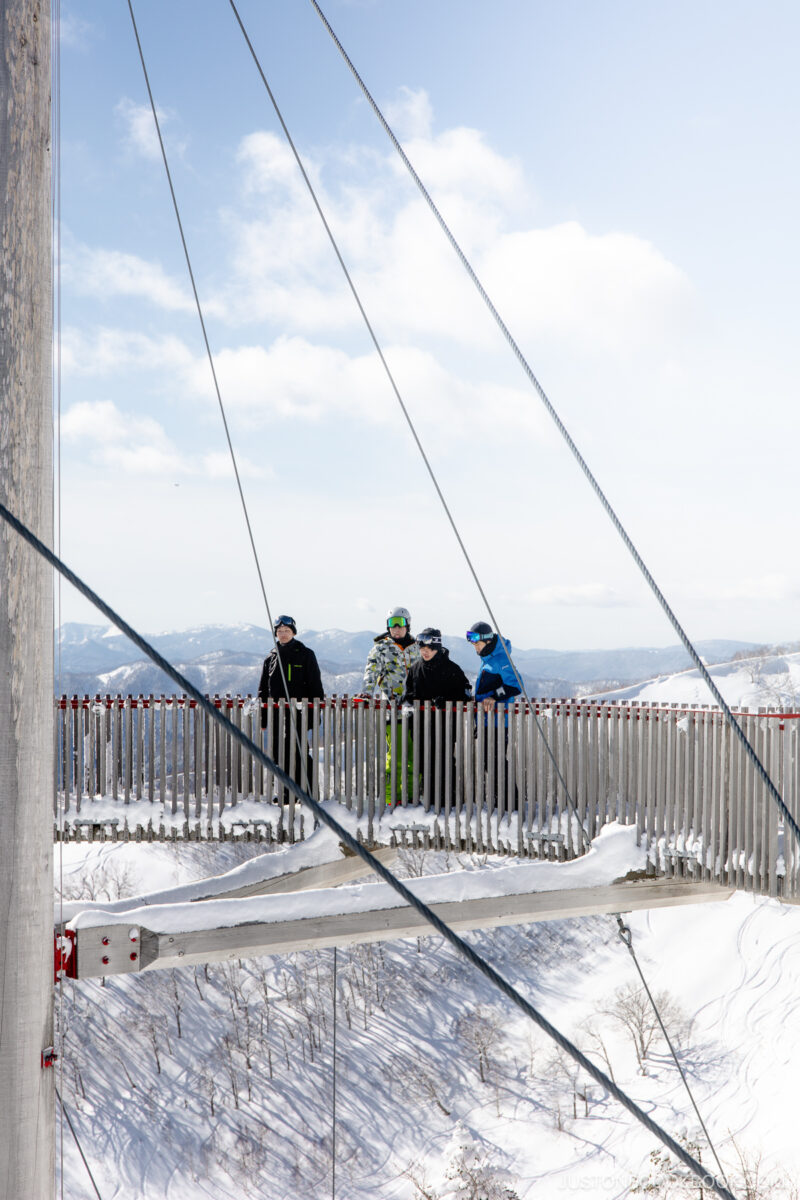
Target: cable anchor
624, 932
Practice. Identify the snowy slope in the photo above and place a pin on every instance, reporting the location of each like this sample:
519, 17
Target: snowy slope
218, 1081
768, 678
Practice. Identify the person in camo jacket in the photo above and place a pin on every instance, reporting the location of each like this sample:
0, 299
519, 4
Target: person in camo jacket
388, 663
391, 658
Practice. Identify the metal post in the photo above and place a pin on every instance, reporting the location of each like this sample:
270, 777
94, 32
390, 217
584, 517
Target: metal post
27, 1129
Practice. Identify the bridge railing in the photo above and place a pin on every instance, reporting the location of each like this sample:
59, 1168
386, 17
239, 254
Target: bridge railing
489, 782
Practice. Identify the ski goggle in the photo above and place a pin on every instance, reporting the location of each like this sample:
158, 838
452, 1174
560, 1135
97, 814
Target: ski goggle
433, 642
284, 620
474, 637
396, 623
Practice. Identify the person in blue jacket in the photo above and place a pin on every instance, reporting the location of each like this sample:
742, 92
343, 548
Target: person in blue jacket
497, 681
495, 687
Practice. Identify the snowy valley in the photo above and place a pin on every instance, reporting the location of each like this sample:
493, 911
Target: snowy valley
400, 1065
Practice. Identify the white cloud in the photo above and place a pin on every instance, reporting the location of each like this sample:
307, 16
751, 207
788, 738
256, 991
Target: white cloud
141, 135
75, 33
140, 130
270, 166
105, 351
107, 273
773, 587
458, 161
299, 379
590, 595
218, 465
132, 444
411, 114
609, 293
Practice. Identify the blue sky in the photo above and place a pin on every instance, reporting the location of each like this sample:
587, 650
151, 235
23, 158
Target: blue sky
623, 177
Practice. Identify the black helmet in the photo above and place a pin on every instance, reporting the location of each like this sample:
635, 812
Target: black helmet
480, 632
284, 620
430, 637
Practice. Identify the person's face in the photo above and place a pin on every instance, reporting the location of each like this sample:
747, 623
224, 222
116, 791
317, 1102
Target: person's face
284, 634
478, 646
427, 652
398, 631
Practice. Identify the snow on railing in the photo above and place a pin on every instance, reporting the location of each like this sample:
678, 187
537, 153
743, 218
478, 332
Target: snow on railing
158, 768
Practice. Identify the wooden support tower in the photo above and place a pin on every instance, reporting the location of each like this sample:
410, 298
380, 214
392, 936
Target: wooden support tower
26, 605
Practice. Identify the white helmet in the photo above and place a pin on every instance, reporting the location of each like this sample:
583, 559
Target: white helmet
396, 615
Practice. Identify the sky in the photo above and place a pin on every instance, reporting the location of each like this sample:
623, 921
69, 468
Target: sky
623, 178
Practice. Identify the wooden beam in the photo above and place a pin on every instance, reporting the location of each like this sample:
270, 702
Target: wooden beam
330, 874
126, 948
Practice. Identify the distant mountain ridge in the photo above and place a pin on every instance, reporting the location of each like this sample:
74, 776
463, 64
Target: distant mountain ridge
221, 659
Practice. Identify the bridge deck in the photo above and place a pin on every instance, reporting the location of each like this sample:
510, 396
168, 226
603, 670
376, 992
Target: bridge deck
154, 769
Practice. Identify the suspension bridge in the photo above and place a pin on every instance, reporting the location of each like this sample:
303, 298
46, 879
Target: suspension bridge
158, 769
691, 785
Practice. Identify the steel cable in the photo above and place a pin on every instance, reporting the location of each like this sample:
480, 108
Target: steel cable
352, 843
585, 837
626, 937
74, 1133
290, 710
595, 486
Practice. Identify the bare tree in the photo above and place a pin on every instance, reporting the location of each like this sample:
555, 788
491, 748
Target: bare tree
423, 1190
594, 1044
632, 1009
480, 1031
419, 1080
108, 880
478, 1177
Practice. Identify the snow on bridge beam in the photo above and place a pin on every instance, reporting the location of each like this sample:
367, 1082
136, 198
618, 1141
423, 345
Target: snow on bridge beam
291, 870
124, 946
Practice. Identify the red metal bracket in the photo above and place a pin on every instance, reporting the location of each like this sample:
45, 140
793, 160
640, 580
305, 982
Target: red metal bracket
49, 1057
65, 963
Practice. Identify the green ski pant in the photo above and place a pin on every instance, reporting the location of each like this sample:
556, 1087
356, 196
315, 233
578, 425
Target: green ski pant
398, 786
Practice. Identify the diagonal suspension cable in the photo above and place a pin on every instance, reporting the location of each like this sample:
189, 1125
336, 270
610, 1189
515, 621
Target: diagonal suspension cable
626, 937
584, 836
74, 1133
326, 818
284, 683
595, 486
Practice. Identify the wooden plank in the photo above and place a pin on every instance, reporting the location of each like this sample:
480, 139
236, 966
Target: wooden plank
388, 924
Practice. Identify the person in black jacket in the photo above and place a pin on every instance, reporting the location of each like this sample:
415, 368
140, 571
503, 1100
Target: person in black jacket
438, 679
290, 672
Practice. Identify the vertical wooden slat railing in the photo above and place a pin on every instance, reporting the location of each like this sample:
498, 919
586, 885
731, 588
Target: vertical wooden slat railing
673, 771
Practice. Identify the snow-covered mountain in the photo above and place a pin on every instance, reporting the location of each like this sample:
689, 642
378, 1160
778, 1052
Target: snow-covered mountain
767, 678
227, 658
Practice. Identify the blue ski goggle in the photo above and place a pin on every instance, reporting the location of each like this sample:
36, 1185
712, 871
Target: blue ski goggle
284, 620
477, 637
